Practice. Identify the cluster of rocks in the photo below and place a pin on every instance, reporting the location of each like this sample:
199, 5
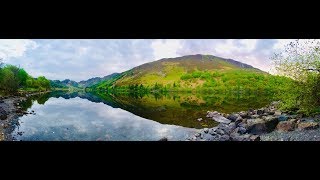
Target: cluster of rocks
249, 125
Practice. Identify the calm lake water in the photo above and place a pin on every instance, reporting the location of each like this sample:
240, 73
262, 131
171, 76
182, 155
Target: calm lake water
81, 116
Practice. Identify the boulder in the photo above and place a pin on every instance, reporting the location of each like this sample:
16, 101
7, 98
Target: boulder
259, 126
236, 137
256, 126
232, 126
233, 117
283, 118
255, 138
255, 116
243, 114
220, 119
220, 131
3, 114
224, 138
271, 112
277, 113
206, 130
271, 122
286, 126
212, 131
260, 111
306, 125
242, 130
210, 114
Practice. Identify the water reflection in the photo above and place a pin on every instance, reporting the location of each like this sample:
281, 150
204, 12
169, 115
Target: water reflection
101, 116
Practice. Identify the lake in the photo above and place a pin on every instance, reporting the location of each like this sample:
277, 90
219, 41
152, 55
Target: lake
81, 116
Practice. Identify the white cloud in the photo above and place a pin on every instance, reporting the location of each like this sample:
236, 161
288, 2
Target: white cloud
15, 47
232, 46
165, 48
83, 59
281, 43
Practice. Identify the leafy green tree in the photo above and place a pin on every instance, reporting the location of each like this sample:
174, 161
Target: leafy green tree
22, 76
301, 62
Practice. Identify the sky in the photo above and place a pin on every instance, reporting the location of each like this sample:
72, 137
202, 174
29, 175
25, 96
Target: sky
86, 58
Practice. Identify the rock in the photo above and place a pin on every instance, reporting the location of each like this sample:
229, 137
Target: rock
200, 119
292, 116
259, 126
208, 137
224, 138
238, 121
307, 125
233, 117
293, 120
220, 119
286, 126
220, 132
243, 114
163, 139
236, 137
243, 124
277, 113
232, 126
255, 138
246, 137
206, 130
283, 118
256, 126
3, 114
242, 130
271, 122
271, 112
211, 114
260, 111
212, 131
255, 116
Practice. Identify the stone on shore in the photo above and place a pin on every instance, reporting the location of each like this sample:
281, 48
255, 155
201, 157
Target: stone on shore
286, 126
3, 114
259, 126
283, 118
308, 125
233, 117
220, 119
277, 113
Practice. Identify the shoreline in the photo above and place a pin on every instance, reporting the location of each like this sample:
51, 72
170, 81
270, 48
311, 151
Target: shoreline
263, 124
10, 111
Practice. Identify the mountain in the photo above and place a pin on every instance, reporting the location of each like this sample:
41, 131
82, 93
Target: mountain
96, 80
63, 84
188, 71
82, 84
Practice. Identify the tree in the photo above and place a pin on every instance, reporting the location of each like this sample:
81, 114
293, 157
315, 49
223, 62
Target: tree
300, 61
9, 81
43, 82
22, 76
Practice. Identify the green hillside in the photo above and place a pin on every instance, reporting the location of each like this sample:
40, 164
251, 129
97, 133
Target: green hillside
202, 72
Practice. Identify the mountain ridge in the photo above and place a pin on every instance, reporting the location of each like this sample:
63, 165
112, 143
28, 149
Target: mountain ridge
171, 70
